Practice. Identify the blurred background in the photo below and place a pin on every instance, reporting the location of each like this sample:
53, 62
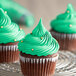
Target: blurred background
47, 9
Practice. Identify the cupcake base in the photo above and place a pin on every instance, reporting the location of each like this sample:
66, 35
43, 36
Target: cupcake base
9, 52
38, 66
66, 41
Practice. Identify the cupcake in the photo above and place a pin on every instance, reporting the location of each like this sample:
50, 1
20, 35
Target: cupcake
38, 52
10, 35
64, 29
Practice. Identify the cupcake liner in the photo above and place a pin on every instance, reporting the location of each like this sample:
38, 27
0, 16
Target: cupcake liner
66, 41
10, 47
62, 35
9, 53
38, 66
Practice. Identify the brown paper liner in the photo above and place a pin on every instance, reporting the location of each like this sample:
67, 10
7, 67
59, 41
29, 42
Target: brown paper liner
66, 41
38, 67
9, 52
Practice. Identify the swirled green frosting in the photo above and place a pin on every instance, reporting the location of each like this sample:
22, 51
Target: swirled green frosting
9, 31
65, 22
39, 42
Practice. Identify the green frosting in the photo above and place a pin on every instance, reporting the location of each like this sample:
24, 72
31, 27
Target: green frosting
65, 22
9, 31
17, 13
39, 42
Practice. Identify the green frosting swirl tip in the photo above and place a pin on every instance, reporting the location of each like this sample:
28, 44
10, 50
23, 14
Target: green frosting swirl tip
9, 31
40, 24
70, 8
4, 18
39, 29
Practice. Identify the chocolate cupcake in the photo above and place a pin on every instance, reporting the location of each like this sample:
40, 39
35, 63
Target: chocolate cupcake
10, 35
38, 52
64, 29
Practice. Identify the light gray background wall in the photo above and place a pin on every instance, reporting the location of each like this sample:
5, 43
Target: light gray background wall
47, 9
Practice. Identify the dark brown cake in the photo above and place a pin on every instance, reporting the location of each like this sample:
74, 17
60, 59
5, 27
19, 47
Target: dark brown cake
66, 41
38, 66
9, 52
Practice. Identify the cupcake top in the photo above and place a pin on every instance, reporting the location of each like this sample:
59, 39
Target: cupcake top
9, 31
65, 22
39, 42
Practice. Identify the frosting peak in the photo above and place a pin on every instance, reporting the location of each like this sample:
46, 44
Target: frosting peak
39, 42
70, 8
65, 22
4, 19
9, 31
39, 30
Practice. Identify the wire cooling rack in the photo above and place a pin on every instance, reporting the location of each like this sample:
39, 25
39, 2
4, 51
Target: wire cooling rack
66, 66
